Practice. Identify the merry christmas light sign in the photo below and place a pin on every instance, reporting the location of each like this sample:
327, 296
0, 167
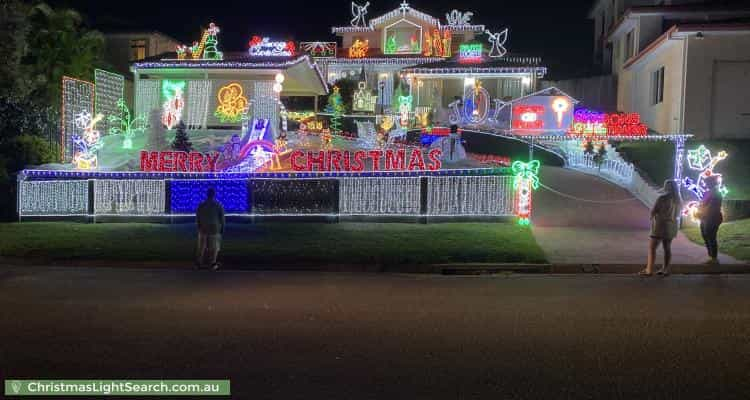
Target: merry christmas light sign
357, 161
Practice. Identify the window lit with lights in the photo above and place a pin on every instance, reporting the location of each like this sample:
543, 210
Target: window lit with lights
137, 49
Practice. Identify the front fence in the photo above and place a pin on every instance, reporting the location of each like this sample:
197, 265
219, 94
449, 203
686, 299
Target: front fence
489, 195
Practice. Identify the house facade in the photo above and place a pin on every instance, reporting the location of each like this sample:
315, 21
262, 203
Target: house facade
685, 68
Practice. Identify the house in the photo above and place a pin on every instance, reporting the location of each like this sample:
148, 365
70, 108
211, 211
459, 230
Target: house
685, 68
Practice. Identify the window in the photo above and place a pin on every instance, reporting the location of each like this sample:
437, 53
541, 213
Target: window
630, 45
137, 49
657, 86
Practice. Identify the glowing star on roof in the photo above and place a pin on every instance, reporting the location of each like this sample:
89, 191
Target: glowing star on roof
497, 40
359, 13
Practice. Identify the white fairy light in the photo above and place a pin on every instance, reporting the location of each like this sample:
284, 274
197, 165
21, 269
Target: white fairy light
497, 40
109, 89
53, 197
198, 99
147, 96
369, 196
457, 18
359, 13
470, 195
129, 196
77, 96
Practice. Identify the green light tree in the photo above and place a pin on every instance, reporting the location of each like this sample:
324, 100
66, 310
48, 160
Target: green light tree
336, 108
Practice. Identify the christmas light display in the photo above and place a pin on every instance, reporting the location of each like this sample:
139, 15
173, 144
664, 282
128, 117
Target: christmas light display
363, 100
404, 109
124, 124
231, 103
359, 48
385, 196
528, 117
700, 159
359, 13
456, 18
497, 40
109, 91
403, 11
587, 123
86, 144
198, 99
77, 97
470, 52
178, 161
266, 102
296, 197
375, 160
186, 195
132, 196
559, 106
336, 108
264, 47
470, 195
48, 198
205, 49
172, 107
319, 49
525, 179
476, 103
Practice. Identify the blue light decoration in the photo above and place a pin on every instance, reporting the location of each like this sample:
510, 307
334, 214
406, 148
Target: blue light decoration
186, 195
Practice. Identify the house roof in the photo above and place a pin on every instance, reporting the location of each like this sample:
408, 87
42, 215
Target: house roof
684, 30
696, 11
405, 10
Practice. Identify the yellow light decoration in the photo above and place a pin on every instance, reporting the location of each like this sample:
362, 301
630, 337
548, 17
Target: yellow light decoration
359, 48
387, 123
428, 44
232, 103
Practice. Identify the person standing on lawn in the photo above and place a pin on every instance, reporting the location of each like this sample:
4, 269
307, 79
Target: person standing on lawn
664, 225
709, 213
210, 220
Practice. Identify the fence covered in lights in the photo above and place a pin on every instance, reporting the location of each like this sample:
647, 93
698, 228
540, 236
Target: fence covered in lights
476, 192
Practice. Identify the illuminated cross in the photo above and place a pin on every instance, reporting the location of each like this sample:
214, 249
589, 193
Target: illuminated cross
404, 7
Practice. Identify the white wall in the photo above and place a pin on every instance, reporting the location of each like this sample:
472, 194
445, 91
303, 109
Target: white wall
634, 87
718, 83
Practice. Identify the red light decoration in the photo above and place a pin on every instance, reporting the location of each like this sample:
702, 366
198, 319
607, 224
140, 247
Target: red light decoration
591, 123
528, 117
381, 160
178, 161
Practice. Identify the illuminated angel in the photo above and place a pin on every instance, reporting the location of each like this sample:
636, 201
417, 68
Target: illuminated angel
497, 40
359, 13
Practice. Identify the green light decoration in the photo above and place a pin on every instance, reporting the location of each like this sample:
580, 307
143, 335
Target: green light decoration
169, 88
390, 45
126, 125
525, 179
336, 108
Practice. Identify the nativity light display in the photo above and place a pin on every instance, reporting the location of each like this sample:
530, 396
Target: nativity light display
231, 102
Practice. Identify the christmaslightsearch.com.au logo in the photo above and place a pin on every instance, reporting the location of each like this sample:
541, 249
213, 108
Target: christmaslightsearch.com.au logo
92, 387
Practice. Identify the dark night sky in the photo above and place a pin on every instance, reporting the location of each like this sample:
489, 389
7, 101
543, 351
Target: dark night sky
556, 30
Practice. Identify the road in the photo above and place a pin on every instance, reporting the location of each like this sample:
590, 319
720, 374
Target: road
289, 335
613, 232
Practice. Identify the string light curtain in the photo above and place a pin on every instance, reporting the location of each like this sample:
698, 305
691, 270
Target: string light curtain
129, 197
50, 198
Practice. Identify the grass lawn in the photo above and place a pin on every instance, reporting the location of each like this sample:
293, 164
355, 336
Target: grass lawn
734, 238
277, 243
656, 159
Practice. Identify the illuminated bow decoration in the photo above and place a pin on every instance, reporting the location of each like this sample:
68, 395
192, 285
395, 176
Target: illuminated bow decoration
526, 171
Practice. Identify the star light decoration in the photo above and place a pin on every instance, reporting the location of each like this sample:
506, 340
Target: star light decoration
700, 159
525, 179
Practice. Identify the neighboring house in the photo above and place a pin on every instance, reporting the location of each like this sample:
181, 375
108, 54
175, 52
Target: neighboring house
685, 68
125, 48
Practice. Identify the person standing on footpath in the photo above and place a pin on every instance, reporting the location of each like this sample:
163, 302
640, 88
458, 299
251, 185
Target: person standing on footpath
210, 220
664, 225
709, 213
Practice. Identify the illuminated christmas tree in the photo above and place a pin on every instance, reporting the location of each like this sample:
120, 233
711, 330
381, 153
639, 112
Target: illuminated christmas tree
181, 140
336, 108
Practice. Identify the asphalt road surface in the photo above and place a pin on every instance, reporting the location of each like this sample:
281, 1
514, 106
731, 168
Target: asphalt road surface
378, 336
